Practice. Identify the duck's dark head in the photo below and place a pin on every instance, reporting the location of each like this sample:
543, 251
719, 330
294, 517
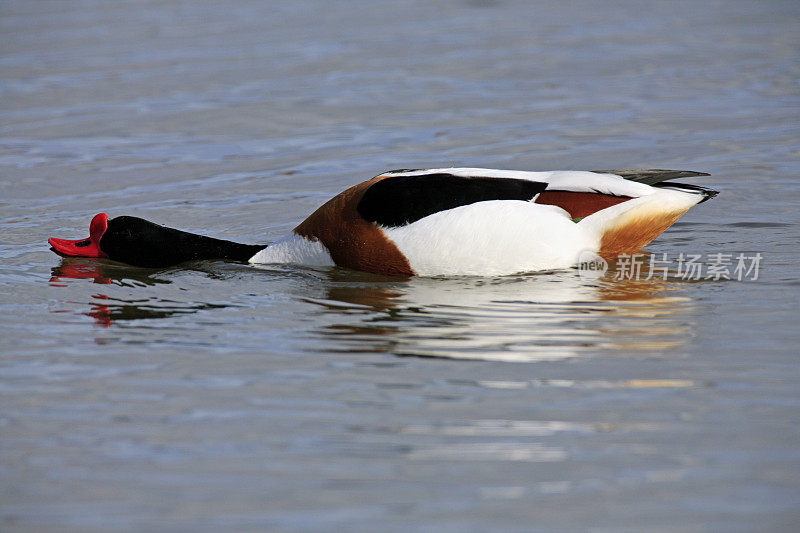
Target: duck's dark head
140, 242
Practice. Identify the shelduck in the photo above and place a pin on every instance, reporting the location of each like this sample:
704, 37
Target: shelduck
437, 222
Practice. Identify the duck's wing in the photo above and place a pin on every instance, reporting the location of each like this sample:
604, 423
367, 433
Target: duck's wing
401, 197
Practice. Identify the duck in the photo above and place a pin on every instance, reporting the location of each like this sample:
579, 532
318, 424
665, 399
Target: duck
436, 222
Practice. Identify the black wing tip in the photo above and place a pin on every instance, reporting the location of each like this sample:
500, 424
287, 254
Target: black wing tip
653, 172
708, 194
705, 191
651, 176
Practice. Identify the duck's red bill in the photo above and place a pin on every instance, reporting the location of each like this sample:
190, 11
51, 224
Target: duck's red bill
84, 247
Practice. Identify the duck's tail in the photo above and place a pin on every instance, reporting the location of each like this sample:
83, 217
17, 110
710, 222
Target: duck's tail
626, 227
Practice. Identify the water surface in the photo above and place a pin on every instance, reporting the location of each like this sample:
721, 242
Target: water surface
218, 396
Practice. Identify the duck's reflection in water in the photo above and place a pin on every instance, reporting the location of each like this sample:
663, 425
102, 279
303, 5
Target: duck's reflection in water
533, 317
72, 268
106, 309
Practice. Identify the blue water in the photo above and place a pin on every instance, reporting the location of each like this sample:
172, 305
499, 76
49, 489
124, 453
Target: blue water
220, 396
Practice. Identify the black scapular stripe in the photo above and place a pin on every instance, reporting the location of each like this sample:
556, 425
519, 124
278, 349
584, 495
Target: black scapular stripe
400, 200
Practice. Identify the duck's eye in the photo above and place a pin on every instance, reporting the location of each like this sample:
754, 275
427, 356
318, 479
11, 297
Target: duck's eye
81, 244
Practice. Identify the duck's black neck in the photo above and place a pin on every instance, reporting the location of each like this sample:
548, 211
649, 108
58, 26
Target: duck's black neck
140, 242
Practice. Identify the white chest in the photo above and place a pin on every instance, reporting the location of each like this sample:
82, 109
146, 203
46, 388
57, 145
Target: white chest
294, 249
